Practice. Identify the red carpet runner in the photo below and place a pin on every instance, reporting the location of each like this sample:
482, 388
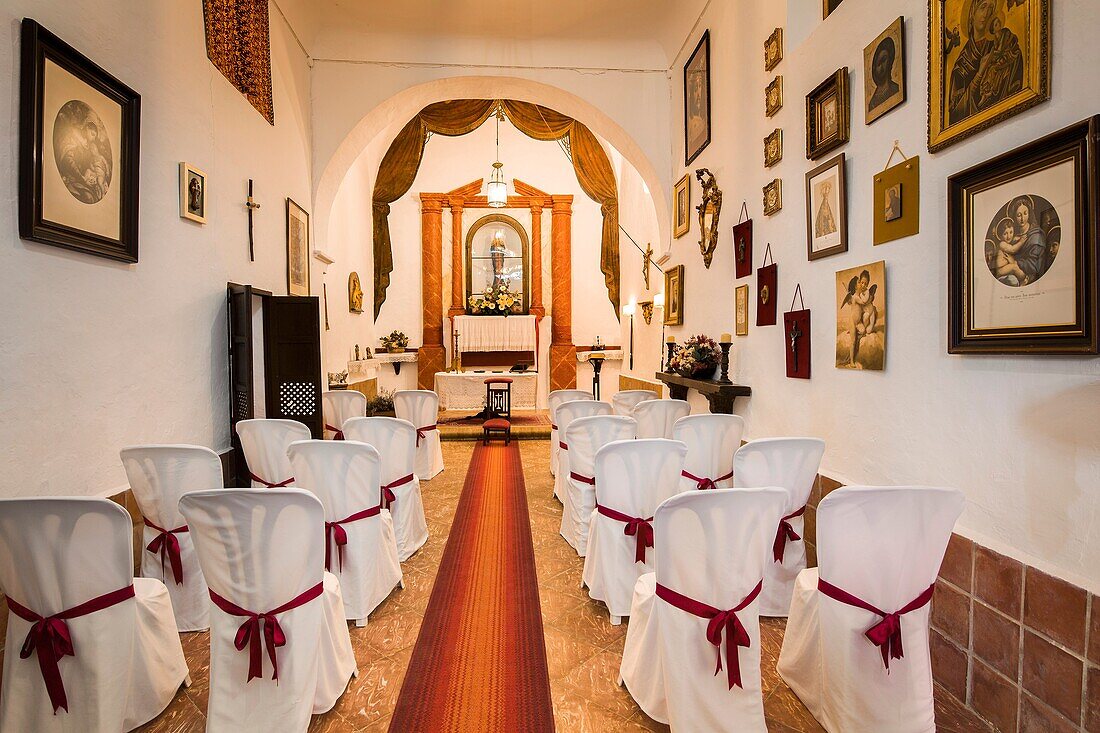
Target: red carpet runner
479, 663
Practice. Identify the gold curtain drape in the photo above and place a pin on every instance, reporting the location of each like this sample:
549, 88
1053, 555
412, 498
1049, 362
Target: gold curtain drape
460, 117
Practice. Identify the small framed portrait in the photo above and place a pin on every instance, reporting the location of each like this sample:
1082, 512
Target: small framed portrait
861, 317
773, 197
681, 206
674, 296
773, 97
828, 6
826, 210
697, 100
987, 61
773, 148
773, 49
192, 193
741, 299
897, 201
884, 72
828, 115
78, 150
297, 249
1022, 239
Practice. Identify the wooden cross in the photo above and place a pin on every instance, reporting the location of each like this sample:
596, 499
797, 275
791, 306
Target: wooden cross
251, 205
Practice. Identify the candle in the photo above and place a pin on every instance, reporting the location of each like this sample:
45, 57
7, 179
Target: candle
726, 339
670, 340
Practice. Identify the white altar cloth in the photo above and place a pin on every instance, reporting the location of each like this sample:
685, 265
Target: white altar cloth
495, 333
466, 390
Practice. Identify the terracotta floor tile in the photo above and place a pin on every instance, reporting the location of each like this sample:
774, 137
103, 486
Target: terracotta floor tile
565, 652
181, 716
597, 679
783, 706
576, 713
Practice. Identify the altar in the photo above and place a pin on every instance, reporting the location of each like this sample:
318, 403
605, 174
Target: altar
496, 333
466, 390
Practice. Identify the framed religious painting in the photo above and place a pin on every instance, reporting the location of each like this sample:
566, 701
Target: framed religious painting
773, 197
826, 210
297, 249
1022, 248
674, 296
884, 72
987, 61
896, 207
773, 49
697, 100
773, 148
828, 115
192, 193
681, 206
773, 97
79, 129
741, 300
828, 6
861, 317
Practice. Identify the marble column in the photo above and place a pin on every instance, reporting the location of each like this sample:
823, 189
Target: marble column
537, 308
563, 354
458, 289
432, 357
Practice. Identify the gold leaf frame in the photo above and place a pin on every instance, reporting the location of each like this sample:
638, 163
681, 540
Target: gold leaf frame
674, 296
710, 202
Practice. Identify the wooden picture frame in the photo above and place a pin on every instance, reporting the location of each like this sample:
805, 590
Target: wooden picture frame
741, 310
297, 249
681, 207
828, 7
773, 148
193, 183
1022, 277
674, 296
773, 49
79, 135
884, 85
697, 100
1018, 79
827, 209
896, 208
773, 197
828, 115
773, 96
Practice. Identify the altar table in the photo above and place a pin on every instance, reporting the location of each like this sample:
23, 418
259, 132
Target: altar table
466, 390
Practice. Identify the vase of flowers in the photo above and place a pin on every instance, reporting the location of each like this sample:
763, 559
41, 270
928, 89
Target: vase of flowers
395, 343
697, 358
498, 300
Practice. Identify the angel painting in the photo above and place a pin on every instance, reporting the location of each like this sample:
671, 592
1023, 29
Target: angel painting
861, 317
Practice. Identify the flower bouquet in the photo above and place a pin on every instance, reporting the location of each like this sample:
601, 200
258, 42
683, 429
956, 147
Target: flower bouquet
697, 358
496, 301
395, 343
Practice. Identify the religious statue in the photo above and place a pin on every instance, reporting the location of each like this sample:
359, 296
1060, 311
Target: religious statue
711, 205
647, 259
498, 250
355, 293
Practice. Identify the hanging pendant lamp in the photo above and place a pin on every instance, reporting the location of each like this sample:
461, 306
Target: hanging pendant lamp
497, 189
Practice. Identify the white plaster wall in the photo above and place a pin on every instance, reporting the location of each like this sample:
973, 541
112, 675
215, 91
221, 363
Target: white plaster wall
1017, 434
97, 355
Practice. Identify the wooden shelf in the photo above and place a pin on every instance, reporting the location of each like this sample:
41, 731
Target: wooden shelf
720, 394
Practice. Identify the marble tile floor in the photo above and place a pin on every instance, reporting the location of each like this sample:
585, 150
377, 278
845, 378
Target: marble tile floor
582, 647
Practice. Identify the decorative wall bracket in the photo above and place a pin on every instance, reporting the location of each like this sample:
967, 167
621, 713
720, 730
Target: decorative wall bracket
710, 209
647, 311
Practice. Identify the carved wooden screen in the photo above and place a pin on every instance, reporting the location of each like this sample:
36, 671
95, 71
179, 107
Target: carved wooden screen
292, 360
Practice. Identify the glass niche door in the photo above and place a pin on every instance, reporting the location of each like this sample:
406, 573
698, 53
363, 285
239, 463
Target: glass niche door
497, 267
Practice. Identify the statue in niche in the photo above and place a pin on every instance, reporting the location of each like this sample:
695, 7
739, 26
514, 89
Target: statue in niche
498, 250
355, 294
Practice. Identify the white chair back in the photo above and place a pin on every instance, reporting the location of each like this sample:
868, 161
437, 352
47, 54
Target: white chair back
656, 418
264, 442
340, 405
418, 406
712, 547
792, 463
394, 439
344, 475
557, 397
567, 412
711, 441
634, 476
586, 435
625, 400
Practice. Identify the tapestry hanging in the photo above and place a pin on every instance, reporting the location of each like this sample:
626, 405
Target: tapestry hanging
238, 43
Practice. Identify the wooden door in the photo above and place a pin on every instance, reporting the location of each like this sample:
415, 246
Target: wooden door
241, 380
292, 360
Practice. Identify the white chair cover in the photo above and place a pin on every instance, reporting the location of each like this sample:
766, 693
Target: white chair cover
884, 546
711, 547
56, 554
711, 441
625, 400
566, 413
656, 418
585, 436
346, 477
791, 463
264, 443
340, 405
261, 549
159, 475
395, 441
557, 397
421, 408
632, 478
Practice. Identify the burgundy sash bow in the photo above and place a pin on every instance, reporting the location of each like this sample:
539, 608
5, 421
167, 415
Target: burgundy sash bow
335, 532
270, 485
422, 433
719, 622
785, 532
339, 433
886, 634
706, 483
166, 543
590, 480
635, 527
248, 634
49, 637
388, 497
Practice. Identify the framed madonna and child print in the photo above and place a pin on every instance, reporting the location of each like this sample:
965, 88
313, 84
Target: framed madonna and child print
987, 61
1022, 249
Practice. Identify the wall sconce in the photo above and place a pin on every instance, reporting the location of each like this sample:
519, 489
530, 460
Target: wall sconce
628, 310
647, 311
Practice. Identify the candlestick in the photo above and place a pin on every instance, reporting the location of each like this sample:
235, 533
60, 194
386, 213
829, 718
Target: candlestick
670, 345
725, 345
